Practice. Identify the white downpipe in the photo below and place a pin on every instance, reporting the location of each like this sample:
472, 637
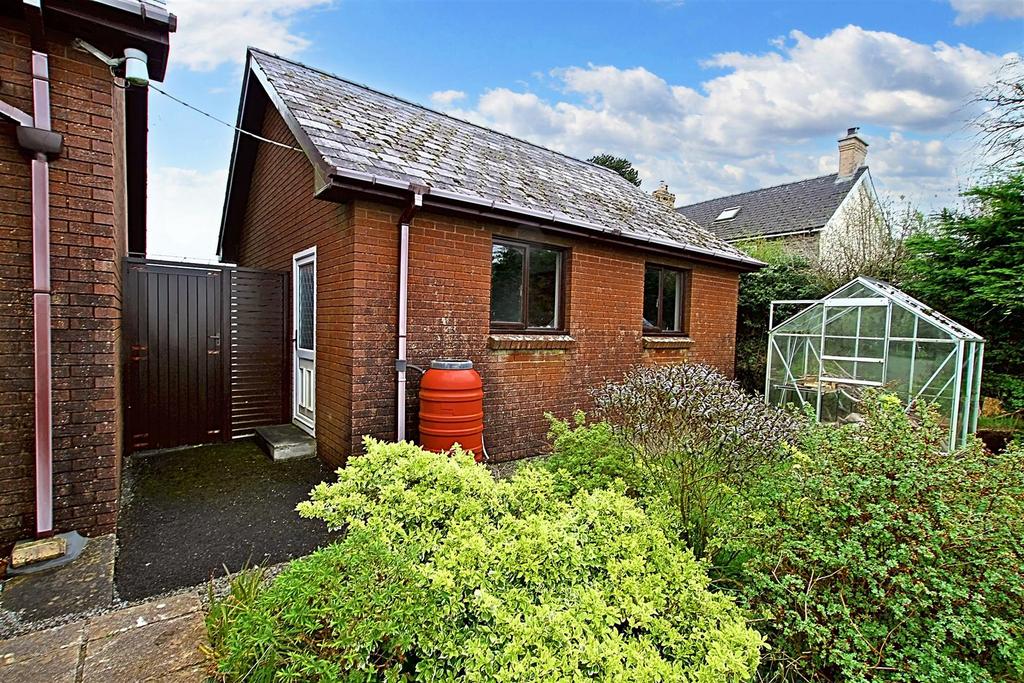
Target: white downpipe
403, 324
403, 311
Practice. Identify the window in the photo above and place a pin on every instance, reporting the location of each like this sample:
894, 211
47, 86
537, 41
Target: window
728, 214
526, 286
665, 297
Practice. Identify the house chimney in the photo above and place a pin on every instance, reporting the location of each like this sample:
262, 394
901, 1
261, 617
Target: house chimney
852, 152
664, 196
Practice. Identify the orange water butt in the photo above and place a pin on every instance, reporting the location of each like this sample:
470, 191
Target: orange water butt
452, 407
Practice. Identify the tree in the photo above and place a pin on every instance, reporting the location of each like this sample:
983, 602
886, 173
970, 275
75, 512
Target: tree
623, 167
786, 276
870, 241
1001, 125
971, 267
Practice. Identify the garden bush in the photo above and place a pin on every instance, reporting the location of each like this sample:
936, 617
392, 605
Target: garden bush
872, 555
443, 574
589, 456
697, 437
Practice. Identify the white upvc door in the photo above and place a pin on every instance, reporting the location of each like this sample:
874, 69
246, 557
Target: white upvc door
304, 343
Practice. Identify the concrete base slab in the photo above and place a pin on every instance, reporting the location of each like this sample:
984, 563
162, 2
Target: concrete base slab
80, 586
285, 442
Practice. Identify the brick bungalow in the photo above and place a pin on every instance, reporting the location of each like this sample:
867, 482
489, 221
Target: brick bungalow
391, 215
72, 204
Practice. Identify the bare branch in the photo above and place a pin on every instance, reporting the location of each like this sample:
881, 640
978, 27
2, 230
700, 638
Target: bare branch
1001, 125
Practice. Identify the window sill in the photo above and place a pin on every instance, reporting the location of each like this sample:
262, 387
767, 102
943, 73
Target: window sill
653, 342
530, 342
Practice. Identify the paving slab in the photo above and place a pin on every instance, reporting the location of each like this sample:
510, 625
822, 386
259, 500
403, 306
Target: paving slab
163, 609
50, 655
155, 641
149, 652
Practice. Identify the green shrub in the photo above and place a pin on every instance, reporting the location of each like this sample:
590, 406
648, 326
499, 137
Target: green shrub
697, 436
971, 267
443, 574
875, 556
588, 457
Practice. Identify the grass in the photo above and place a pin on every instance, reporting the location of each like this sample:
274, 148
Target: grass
1001, 423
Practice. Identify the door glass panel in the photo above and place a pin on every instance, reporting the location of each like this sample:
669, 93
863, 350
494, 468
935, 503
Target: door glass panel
544, 275
507, 283
304, 296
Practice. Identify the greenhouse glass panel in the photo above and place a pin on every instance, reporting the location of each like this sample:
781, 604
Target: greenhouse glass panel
868, 335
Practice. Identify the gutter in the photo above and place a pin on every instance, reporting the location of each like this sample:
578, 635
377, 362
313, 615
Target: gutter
495, 209
754, 238
36, 137
401, 363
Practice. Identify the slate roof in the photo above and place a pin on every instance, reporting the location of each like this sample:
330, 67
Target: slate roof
805, 205
365, 134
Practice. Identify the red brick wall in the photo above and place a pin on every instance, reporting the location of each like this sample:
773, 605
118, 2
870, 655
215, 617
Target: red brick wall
87, 235
282, 218
449, 305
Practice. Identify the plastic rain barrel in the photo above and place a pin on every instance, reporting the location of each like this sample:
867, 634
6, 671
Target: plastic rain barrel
452, 407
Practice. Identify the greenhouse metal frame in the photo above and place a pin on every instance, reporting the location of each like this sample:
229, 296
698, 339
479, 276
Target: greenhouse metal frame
869, 334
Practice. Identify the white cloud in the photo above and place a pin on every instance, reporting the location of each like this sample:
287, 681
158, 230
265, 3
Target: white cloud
215, 32
446, 98
184, 210
769, 118
973, 11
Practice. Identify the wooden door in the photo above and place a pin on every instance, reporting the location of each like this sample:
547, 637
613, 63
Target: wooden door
175, 338
304, 354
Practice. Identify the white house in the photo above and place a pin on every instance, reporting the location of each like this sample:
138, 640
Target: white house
831, 219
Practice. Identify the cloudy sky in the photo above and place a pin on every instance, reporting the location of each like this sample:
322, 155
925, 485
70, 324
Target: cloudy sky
711, 97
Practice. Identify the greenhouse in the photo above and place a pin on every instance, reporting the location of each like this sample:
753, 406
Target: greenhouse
869, 334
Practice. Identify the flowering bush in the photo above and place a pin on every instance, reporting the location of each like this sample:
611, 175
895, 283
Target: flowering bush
872, 555
443, 574
697, 435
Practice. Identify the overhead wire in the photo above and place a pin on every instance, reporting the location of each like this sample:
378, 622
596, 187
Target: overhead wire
222, 121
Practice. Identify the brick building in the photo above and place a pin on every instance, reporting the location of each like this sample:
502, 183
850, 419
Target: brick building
551, 274
72, 204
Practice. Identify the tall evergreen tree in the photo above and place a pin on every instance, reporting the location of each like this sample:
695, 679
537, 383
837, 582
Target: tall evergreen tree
971, 267
623, 167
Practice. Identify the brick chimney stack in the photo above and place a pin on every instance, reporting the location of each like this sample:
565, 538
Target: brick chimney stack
852, 152
664, 196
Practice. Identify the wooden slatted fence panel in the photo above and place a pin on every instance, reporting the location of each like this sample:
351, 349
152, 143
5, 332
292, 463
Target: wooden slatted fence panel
258, 356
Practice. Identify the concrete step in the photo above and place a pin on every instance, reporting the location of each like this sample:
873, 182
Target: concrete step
285, 442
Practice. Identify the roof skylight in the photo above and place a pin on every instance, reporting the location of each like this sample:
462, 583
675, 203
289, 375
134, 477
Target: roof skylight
728, 214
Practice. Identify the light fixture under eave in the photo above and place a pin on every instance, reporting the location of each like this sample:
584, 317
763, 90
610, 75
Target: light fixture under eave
136, 62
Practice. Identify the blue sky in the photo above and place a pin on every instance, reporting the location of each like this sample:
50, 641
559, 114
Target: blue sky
712, 97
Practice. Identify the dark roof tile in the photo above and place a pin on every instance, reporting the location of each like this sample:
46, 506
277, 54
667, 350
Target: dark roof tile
805, 205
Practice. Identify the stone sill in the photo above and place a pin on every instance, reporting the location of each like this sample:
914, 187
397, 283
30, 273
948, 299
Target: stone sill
530, 342
667, 342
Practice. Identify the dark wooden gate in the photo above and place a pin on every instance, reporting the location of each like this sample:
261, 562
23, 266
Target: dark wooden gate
205, 352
